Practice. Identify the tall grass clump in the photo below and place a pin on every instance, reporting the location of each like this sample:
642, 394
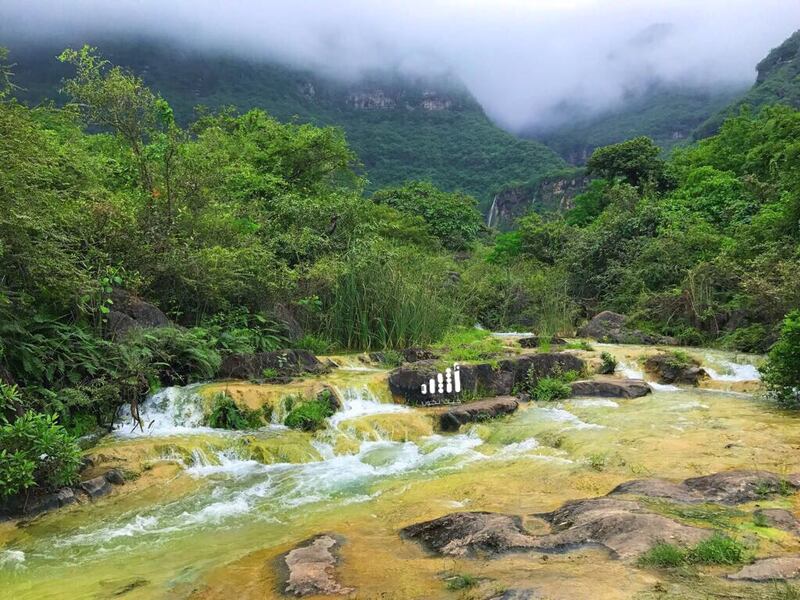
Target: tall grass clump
388, 298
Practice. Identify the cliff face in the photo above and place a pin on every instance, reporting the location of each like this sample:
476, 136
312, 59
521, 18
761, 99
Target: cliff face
548, 194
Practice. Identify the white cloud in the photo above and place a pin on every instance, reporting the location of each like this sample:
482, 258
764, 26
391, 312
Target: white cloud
521, 59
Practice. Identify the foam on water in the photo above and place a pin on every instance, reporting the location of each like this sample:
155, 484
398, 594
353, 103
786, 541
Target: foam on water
171, 411
595, 403
631, 372
564, 416
732, 371
360, 402
663, 387
12, 559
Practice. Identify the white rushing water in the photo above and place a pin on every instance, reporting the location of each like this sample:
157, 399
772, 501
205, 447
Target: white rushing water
631, 372
171, 411
730, 371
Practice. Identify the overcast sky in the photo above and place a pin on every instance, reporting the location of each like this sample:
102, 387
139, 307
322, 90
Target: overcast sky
522, 59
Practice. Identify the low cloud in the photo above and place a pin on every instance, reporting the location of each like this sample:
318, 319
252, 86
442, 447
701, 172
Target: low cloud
525, 61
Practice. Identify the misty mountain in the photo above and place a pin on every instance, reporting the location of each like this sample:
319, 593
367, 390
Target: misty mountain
401, 127
667, 114
778, 82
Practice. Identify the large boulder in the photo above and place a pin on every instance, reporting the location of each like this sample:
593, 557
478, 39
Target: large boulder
310, 568
454, 418
483, 380
672, 368
609, 326
285, 363
610, 387
470, 534
129, 311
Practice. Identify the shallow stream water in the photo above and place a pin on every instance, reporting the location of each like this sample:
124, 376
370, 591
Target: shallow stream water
211, 512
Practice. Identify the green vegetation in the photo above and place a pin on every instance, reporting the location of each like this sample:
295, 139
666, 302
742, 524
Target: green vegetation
469, 345
609, 364
782, 370
456, 147
226, 414
548, 389
35, 452
461, 581
716, 550
309, 415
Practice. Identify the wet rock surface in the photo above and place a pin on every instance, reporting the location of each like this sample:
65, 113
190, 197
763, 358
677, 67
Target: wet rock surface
96, 487
610, 387
609, 326
770, 569
534, 341
311, 567
623, 527
454, 418
780, 518
480, 379
286, 363
726, 487
516, 595
471, 534
669, 369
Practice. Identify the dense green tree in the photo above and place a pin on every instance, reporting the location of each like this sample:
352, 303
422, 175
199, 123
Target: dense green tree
635, 161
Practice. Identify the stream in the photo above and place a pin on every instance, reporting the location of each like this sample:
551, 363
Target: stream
210, 512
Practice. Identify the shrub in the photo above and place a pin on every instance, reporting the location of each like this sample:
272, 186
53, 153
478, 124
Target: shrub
311, 414
781, 374
662, 556
314, 344
226, 414
461, 581
609, 364
548, 389
36, 451
717, 550
392, 358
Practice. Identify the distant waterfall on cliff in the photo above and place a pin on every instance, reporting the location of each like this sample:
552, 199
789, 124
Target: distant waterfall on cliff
492, 212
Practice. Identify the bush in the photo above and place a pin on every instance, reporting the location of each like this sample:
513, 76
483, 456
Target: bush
36, 451
662, 556
781, 373
314, 344
548, 389
717, 550
311, 414
609, 364
226, 414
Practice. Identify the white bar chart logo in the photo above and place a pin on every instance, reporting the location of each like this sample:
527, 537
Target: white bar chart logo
448, 382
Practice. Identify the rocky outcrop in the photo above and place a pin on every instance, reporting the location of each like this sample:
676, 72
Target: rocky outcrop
610, 387
516, 595
128, 311
726, 487
285, 363
669, 368
454, 418
534, 341
32, 504
624, 528
770, 569
471, 534
311, 567
780, 518
609, 326
481, 380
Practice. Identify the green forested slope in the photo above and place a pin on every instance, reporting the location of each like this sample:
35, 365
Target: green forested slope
778, 82
455, 145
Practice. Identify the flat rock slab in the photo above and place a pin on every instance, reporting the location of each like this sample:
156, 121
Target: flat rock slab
471, 534
610, 387
624, 528
311, 568
780, 518
454, 418
770, 569
726, 487
97, 487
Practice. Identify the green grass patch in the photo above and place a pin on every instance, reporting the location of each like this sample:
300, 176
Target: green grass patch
226, 414
461, 581
548, 389
470, 345
309, 415
717, 550
579, 345
663, 556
